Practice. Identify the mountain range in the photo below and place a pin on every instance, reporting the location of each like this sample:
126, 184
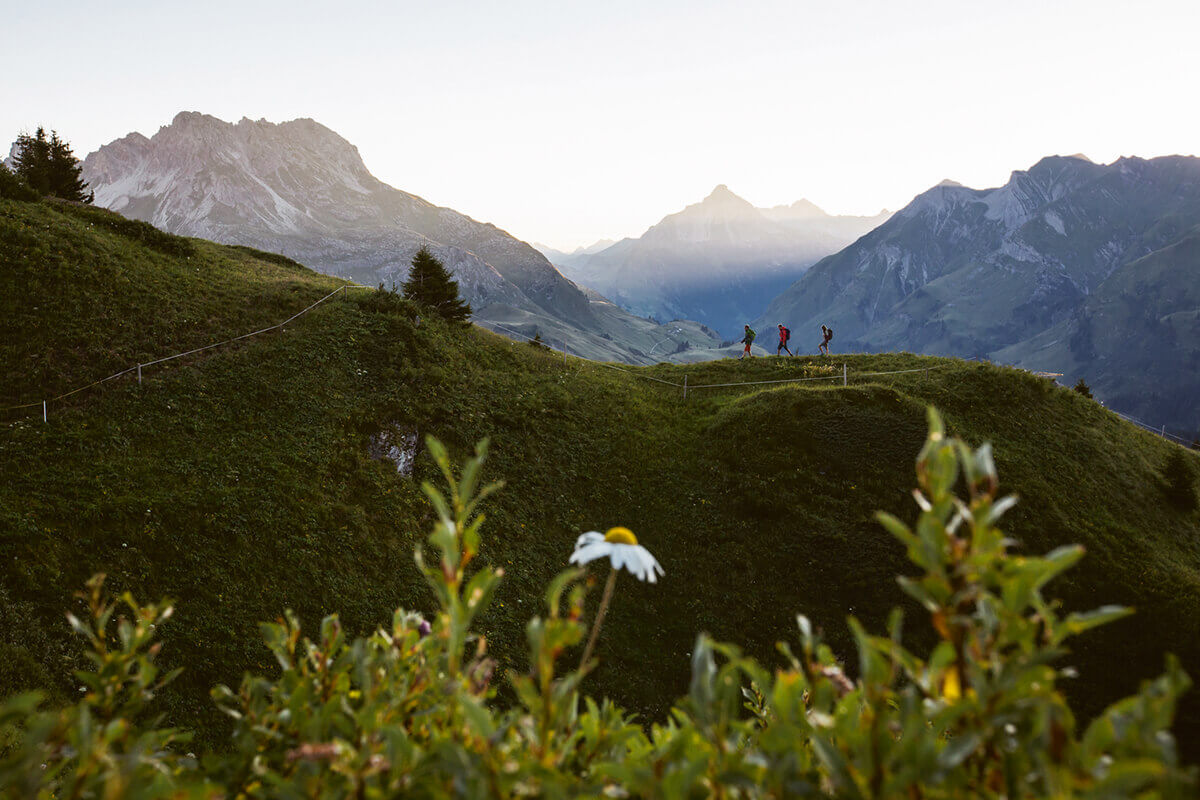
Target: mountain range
719, 261
1071, 267
299, 189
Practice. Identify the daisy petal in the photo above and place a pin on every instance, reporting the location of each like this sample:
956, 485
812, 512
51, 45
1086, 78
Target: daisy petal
590, 552
620, 553
591, 537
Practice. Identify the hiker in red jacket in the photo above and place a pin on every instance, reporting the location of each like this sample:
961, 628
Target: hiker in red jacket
785, 334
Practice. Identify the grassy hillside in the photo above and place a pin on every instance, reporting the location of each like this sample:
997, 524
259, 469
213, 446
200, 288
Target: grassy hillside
240, 482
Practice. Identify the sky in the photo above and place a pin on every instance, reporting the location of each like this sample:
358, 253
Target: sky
567, 122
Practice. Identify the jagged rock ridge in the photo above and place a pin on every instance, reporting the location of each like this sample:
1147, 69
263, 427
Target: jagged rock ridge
1073, 267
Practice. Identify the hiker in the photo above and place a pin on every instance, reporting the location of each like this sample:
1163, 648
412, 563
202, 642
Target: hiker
785, 335
748, 339
826, 335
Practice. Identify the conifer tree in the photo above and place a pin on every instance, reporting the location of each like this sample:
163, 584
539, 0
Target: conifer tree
429, 284
50, 168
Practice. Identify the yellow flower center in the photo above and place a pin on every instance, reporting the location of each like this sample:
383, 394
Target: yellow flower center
951, 688
620, 536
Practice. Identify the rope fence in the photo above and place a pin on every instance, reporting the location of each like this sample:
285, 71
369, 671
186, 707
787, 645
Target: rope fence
1159, 431
138, 367
845, 374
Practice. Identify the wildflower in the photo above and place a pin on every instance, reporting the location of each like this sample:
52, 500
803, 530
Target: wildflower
424, 628
623, 550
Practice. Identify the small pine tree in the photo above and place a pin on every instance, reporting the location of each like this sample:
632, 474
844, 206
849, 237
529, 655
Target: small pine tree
537, 342
1083, 389
1179, 480
429, 284
50, 167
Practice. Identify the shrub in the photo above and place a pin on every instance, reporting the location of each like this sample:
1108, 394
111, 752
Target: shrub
413, 710
142, 232
537, 343
383, 301
1083, 388
1179, 479
274, 258
14, 187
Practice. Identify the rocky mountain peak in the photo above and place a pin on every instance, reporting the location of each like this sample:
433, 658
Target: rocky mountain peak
721, 193
300, 189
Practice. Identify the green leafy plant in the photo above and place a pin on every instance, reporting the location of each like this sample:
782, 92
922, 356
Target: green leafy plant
1082, 388
110, 743
411, 710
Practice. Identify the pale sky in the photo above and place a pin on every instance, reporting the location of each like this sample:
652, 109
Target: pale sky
565, 122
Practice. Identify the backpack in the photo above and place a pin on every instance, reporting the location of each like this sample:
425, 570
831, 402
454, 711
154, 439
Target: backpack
750, 334
829, 335
787, 335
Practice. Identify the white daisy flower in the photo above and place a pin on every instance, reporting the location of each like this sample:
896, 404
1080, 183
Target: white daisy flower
623, 551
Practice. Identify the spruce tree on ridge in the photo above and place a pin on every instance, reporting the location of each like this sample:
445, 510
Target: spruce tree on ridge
50, 168
429, 284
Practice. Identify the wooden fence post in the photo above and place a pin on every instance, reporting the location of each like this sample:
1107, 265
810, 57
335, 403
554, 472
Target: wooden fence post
844, 381
44, 411
139, 374
685, 386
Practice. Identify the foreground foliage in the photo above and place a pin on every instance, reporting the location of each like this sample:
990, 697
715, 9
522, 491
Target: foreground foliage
413, 710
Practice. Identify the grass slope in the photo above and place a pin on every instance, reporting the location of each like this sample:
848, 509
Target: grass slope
240, 482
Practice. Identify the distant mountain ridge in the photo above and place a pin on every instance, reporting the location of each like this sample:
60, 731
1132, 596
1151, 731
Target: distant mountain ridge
558, 257
1074, 267
300, 189
718, 261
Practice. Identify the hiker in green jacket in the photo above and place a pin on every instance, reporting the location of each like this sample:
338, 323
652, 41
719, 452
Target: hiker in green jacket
748, 339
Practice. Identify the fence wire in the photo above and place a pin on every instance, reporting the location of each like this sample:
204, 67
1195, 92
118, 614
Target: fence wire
1160, 431
137, 367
